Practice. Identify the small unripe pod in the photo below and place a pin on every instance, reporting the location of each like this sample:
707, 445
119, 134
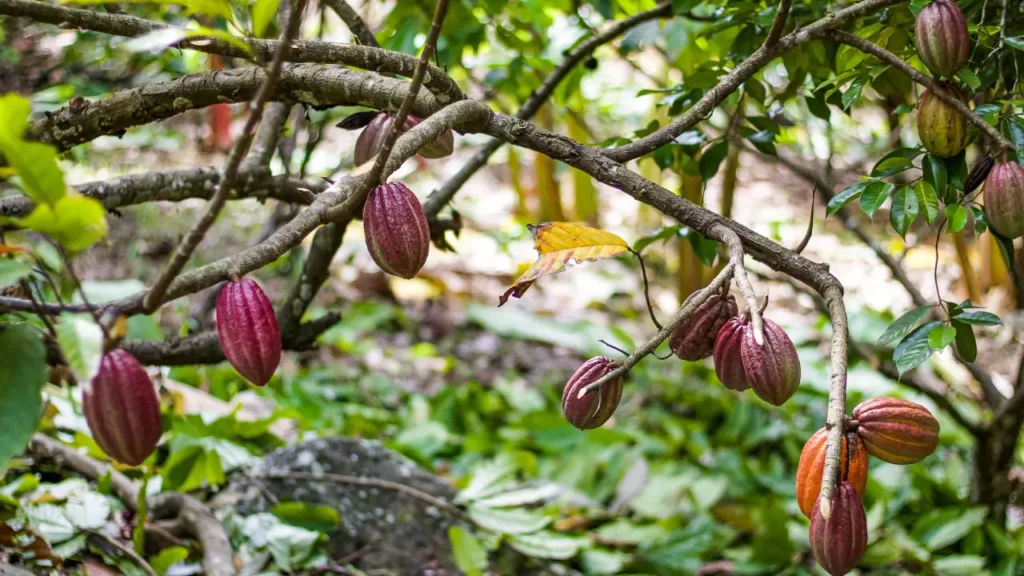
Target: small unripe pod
122, 409
595, 408
397, 234
248, 331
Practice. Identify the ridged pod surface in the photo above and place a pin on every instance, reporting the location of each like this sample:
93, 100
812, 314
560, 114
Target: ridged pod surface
1004, 199
942, 40
248, 331
728, 363
942, 129
839, 542
895, 430
372, 138
594, 409
694, 339
772, 370
122, 409
397, 234
854, 467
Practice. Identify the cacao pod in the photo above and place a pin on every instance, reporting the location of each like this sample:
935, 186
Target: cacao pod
122, 409
594, 409
397, 234
895, 430
942, 129
248, 331
978, 174
772, 370
1004, 199
694, 339
853, 461
372, 138
942, 40
839, 542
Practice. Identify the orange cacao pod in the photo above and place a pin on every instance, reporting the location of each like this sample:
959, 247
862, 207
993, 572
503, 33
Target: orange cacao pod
594, 409
122, 409
839, 542
895, 430
812, 464
248, 331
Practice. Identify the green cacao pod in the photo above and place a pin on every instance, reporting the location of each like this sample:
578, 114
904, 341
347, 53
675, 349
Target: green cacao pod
122, 409
1004, 199
397, 234
942, 129
694, 339
248, 330
594, 409
942, 40
895, 430
840, 541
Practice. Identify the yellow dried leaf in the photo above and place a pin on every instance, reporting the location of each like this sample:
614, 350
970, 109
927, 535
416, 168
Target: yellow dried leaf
563, 245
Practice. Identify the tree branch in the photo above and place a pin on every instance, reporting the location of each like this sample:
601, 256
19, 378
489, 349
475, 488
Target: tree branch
736, 256
778, 25
354, 21
884, 55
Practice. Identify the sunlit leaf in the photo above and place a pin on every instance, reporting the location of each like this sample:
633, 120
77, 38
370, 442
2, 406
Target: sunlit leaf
81, 340
956, 218
316, 517
846, 195
941, 336
903, 211
12, 270
903, 325
75, 221
914, 350
263, 12
927, 200
156, 40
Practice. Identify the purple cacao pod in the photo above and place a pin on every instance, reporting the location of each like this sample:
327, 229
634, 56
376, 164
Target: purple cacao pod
397, 234
594, 409
728, 362
122, 409
248, 331
440, 147
839, 542
942, 128
978, 174
942, 40
1004, 199
694, 339
372, 138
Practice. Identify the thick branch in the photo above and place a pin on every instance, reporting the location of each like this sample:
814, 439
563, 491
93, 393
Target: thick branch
364, 57
884, 55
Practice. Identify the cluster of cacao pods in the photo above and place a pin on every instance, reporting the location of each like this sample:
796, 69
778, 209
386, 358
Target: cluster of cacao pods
716, 329
890, 429
943, 45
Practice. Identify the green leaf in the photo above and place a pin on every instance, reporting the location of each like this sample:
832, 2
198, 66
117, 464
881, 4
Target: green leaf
75, 221
966, 344
903, 211
934, 173
168, 557
945, 526
12, 270
914, 349
968, 77
874, 196
663, 233
978, 319
956, 170
156, 40
941, 336
927, 199
712, 158
315, 517
263, 12
547, 545
1015, 42
81, 340
470, 556
902, 325
15, 111
202, 32
22, 375
36, 165
956, 218
980, 220
891, 166
852, 93
845, 196
1006, 249
508, 520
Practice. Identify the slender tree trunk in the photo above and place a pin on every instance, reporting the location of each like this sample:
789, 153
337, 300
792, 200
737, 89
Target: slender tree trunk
584, 191
691, 269
547, 183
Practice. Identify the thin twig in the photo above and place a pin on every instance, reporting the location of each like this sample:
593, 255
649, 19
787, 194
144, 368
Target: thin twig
154, 297
736, 257
647, 289
778, 25
122, 549
354, 21
81, 291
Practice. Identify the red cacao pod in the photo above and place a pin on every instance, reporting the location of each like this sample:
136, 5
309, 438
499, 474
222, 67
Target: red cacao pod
728, 362
942, 128
440, 147
895, 430
122, 409
594, 409
372, 138
772, 370
248, 331
397, 234
942, 40
694, 339
839, 542
1004, 199
854, 467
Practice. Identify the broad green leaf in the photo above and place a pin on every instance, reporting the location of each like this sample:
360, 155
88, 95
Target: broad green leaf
81, 340
15, 111
891, 166
712, 158
852, 94
874, 196
470, 556
968, 77
75, 221
1015, 42
12, 270
941, 336
945, 526
956, 218
1015, 132
315, 517
263, 12
845, 195
927, 200
934, 173
36, 166
21, 381
966, 344
903, 211
980, 220
508, 520
914, 349
1006, 250
663, 233
168, 557
979, 319
903, 325
956, 170
547, 545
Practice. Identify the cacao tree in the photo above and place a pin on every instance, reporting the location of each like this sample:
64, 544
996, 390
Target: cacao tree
424, 82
